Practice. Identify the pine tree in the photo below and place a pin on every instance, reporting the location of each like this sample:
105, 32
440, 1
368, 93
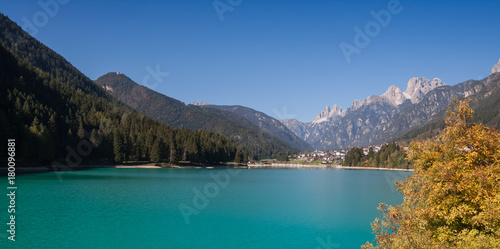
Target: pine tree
174, 152
81, 132
52, 125
155, 155
239, 157
118, 146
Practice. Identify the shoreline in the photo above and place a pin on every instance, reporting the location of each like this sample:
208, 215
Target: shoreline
372, 168
43, 169
20, 170
319, 166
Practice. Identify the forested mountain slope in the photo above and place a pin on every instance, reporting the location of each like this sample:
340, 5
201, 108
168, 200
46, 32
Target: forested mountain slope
241, 131
57, 114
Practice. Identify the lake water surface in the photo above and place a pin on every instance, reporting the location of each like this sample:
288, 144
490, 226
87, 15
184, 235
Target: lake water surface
198, 208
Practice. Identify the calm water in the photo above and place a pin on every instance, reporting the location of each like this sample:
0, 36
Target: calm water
141, 208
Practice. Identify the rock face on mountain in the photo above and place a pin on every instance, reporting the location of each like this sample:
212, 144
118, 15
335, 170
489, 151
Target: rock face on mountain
496, 68
301, 129
416, 90
394, 95
485, 96
355, 105
328, 113
418, 87
378, 119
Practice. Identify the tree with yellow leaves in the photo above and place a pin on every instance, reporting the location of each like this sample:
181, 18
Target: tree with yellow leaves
453, 198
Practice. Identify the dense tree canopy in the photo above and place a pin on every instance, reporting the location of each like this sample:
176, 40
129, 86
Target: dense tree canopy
390, 155
242, 132
453, 198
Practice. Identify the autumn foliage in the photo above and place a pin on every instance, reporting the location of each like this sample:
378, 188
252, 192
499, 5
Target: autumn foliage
453, 198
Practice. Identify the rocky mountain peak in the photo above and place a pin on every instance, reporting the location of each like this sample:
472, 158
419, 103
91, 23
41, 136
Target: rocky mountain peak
415, 91
322, 116
496, 68
328, 113
419, 86
336, 110
394, 95
436, 82
372, 99
200, 103
356, 104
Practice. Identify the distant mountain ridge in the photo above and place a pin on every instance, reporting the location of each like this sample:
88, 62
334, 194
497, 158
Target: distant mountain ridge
416, 89
381, 118
176, 113
263, 121
485, 96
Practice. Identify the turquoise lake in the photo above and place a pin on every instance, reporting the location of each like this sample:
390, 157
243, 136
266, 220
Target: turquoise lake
198, 208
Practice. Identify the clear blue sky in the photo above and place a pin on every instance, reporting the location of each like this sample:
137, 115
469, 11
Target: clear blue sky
270, 55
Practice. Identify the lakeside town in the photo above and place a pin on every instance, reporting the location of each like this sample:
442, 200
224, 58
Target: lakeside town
383, 156
335, 156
